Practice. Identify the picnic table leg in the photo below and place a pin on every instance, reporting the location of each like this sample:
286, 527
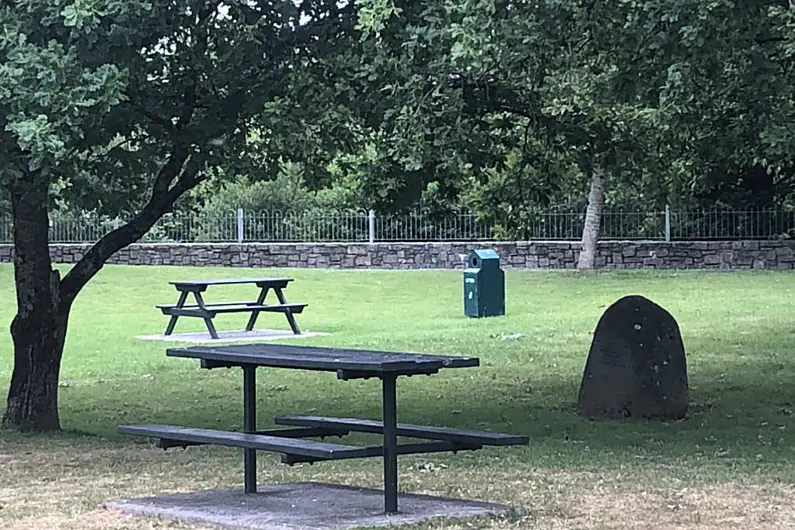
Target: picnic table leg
287, 312
390, 443
254, 314
183, 295
208, 321
250, 426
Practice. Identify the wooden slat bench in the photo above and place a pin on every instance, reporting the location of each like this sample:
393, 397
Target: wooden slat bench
291, 443
174, 435
446, 434
210, 310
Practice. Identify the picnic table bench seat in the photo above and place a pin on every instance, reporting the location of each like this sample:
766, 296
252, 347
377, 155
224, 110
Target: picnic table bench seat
294, 448
174, 435
446, 434
229, 307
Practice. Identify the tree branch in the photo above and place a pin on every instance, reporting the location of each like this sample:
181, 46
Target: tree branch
488, 96
187, 175
169, 171
165, 123
190, 96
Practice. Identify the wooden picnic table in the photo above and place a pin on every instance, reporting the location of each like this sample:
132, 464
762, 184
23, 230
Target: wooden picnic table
292, 443
208, 311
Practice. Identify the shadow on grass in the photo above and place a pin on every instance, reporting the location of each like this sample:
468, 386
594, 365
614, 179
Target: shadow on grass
740, 418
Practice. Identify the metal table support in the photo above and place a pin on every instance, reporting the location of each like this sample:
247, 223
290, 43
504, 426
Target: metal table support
390, 443
390, 436
250, 426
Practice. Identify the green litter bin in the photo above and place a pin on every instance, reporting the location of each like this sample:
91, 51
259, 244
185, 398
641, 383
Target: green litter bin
484, 285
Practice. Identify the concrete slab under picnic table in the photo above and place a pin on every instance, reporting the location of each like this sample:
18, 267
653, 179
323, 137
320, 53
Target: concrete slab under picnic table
299, 506
203, 337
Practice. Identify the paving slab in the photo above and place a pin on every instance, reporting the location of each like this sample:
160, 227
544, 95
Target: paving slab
202, 337
299, 506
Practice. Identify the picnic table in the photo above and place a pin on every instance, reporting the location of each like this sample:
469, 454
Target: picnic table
208, 311
293, 442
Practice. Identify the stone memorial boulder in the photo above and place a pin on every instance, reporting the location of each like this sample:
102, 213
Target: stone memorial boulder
636, 367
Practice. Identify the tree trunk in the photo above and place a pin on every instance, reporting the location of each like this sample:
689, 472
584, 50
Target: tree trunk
39, 327
593, 218
44, 300
32, 403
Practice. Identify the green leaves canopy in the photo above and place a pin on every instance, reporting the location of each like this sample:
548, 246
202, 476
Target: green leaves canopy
673, 98
103, 93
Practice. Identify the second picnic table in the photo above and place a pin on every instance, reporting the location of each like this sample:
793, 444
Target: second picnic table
208, 311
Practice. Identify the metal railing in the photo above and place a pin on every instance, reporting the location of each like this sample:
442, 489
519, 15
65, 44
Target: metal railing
560, 223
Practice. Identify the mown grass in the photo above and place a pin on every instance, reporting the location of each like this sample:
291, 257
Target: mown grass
737, 328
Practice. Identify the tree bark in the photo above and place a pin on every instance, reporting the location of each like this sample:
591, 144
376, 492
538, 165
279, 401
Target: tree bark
39, 328
593, 219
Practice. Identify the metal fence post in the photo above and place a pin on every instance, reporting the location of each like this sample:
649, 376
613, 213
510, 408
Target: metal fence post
240, 225
667, 223
371, 223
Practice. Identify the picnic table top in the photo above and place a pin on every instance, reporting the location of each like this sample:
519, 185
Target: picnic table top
229, 281
324, 359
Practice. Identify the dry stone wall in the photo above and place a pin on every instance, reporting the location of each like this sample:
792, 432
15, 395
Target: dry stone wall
448, 255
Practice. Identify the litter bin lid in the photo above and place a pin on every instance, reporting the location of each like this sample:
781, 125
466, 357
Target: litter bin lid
486, 253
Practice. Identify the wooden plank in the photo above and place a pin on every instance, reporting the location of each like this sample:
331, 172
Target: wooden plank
410, 431
305, 432
406, 449
268, 308
295, 308
194, 312
301, 432
212, 310
210, 304
261, 442
271, 282
328, 359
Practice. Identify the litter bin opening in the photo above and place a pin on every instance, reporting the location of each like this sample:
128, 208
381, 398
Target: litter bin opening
474, 262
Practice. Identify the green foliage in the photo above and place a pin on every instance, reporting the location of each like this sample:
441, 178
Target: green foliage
279, 209
118, 86
374, 14
343, 195
501, 106
475, 103
512, 197
684, 102
728, 98
48, 95
287, 192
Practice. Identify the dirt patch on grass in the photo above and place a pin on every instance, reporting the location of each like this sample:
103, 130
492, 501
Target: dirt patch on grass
62, 485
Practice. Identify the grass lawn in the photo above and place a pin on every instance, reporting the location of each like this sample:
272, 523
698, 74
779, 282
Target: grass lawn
730, 464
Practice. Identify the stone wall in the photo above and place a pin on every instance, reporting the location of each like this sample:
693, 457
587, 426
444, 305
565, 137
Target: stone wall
531, 255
